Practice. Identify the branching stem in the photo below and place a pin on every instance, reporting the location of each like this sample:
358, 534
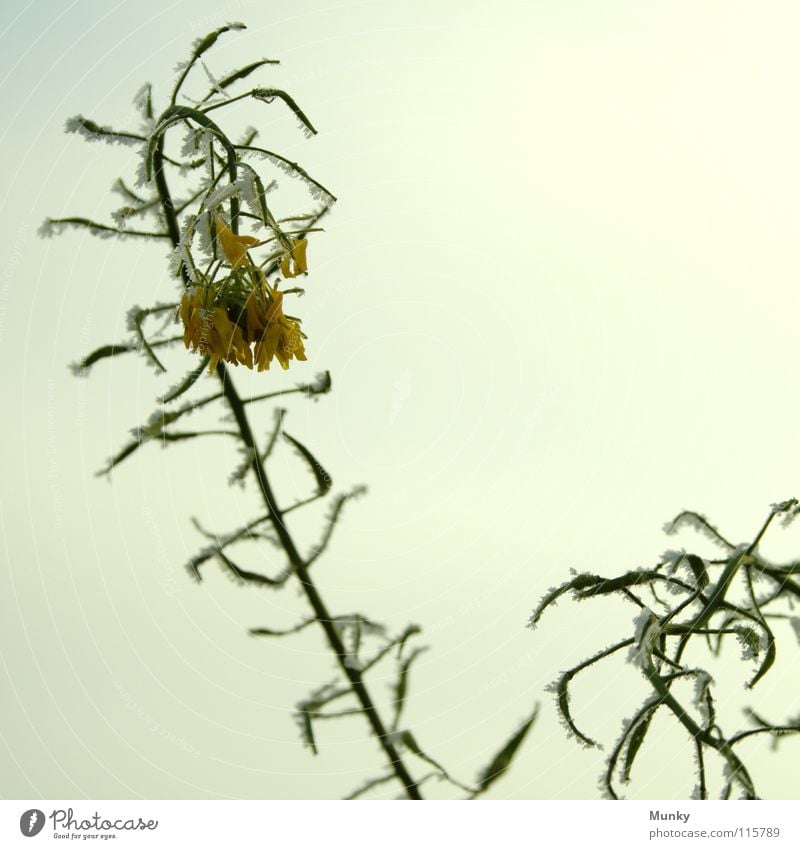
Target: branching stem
299, 566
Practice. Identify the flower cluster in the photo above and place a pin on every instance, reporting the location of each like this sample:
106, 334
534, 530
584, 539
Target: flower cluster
240, 319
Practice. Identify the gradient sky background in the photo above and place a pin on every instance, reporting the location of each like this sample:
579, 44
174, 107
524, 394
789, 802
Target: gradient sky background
558, 299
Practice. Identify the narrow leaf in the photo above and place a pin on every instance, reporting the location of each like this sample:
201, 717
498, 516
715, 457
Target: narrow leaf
502, 760
323, 479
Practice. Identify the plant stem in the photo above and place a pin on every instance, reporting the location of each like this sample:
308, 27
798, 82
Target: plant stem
321, 612
297, 562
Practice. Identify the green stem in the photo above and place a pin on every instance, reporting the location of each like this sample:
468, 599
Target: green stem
719, 744
321, 612
296, 561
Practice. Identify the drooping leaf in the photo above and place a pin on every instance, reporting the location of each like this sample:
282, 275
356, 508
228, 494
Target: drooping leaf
635, 741
401, 684
187, 383
323, 479
502, 760
698, 567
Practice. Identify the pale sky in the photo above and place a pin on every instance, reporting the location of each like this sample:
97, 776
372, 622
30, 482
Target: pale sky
558, 301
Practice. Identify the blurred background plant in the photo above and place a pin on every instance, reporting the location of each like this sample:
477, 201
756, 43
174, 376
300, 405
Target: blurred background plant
231, 308
689, 609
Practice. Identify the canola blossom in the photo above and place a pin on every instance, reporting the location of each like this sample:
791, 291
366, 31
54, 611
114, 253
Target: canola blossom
239, 319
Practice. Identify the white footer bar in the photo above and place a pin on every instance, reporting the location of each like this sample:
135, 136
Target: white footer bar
392, 825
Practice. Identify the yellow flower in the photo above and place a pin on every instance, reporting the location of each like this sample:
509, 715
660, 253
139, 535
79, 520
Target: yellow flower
233, 246
209, 330
279, 337
294, 260
260, 323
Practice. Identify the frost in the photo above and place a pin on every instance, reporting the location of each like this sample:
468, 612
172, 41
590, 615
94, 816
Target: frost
672, 557
237, 476
190, 144
222, 194
750, 642
141, 98
305, 130
214, 81
646, 636
702, 685
202, 229
142, 179
95, 132
47, 229
351, 661
249, 192
78, 126
132, 317
250, 132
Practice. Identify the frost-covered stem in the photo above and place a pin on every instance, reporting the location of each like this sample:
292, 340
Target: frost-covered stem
299, 567
321, 613
720, 589
167, 206
698, 734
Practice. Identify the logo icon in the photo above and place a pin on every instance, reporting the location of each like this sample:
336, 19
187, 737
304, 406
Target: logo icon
31, 822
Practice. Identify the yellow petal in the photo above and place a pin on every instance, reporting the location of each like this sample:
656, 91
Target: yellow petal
286, 269
233, 246
299, 256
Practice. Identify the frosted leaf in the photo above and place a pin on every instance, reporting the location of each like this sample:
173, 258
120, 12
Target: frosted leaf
190, 144
249, 133
222, 194
702, 684
131, 319
238, 475
159, 419
249, 193
605, 793
672, 557
750, 641
647, 632
141, 97
142, 179
198, 42
181, 255
120, 217
202, 229
214, 81
77, 124
306, 131
181, 258
47, 229
95, 132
